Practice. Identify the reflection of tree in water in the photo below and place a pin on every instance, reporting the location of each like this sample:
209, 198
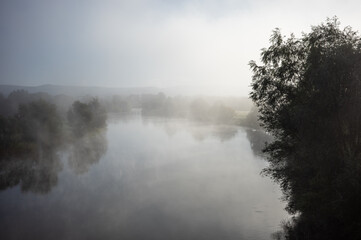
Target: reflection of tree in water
37, 173
87, 150
258, 139
225, 133
199, 131
31, 140
221, 132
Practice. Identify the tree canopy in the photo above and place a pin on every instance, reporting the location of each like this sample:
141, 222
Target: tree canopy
308, 91
83, 117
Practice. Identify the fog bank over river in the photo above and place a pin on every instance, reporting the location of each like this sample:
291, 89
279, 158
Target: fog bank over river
150, 178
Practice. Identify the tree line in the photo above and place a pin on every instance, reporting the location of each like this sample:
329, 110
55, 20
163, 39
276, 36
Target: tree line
31, 137
308, 93
198, 109
39, 124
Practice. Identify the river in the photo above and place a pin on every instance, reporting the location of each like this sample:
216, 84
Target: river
144, 178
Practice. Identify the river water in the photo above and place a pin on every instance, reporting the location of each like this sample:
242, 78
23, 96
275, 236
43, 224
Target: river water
144, 178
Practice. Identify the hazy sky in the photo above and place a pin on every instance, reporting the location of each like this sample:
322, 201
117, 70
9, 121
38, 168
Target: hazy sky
206, 44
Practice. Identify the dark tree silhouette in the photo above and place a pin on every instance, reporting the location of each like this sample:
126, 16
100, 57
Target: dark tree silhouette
308, 91
40, 122
36, 124
85, 117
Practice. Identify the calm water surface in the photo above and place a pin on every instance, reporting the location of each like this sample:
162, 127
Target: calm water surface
144, 178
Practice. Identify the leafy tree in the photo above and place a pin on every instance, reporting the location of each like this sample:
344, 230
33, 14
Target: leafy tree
83, 117
308, 91
40, 123
155, 105
119, 105
219, 113
30, 141
35, 125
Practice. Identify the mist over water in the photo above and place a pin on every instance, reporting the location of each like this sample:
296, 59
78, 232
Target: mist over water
149, 178
147, 119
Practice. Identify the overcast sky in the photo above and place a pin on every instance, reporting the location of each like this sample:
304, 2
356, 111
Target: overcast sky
205, 44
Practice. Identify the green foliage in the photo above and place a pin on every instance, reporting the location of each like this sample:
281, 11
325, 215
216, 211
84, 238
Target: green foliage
197, 109
84, 117
218, 113
10, 136
156, 105
308, 91
30, 140
36, 124
40, 122
119, 105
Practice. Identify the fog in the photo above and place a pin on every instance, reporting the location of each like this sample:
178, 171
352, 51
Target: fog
201, 46
142, 177
132, 119
132, 166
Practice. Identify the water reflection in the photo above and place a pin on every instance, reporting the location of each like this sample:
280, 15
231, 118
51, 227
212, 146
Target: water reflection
38, 171
87, 150
199, 131
137, 181
258, 140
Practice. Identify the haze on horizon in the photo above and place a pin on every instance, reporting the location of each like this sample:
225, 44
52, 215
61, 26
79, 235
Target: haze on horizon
201, 44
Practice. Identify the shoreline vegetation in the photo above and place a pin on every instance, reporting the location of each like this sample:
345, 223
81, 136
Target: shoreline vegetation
34, 127
33, 121
214, 110
32, 137
307, 90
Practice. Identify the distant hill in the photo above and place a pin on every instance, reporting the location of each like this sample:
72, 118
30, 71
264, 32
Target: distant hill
78, 91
